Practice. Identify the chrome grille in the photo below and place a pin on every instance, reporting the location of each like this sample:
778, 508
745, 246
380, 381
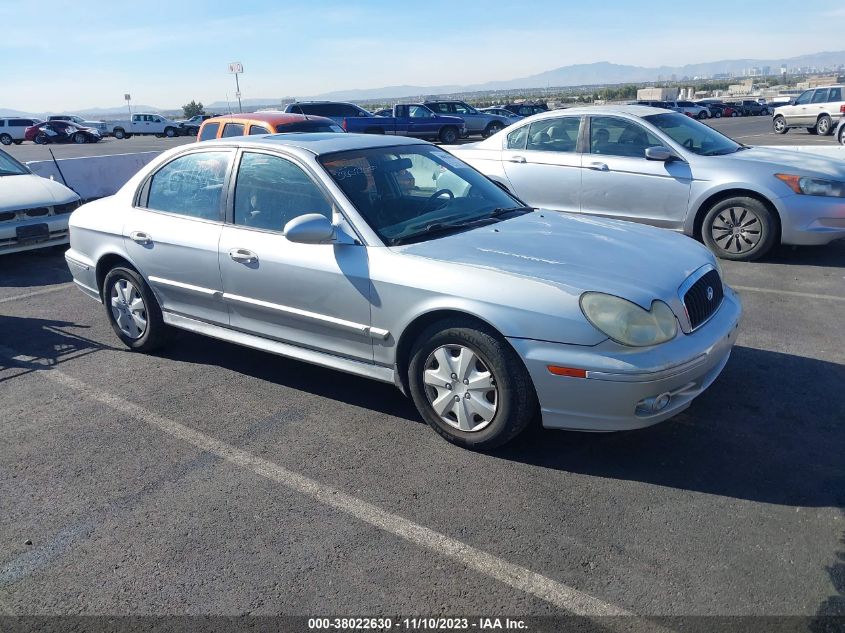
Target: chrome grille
703, 298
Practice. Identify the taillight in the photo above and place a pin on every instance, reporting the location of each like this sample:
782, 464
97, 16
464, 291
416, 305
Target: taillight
842, 108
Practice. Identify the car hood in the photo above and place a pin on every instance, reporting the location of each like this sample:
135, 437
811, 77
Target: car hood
577, 253
798, 162
27, 191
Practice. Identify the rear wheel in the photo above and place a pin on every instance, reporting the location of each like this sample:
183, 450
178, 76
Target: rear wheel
448, 135
734, 113
702, 115
18, 142
779, 125
739, 228
170, 132
842, 135
470, 385
80, 138
812, 130
41, 139
119, 133
492, 128
824, 125
132, 310
6, 139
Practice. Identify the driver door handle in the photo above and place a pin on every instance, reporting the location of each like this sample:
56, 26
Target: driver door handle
517, 159
243, 256
140, 237
598, 166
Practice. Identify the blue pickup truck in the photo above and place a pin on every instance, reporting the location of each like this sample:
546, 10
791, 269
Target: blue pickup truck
411, 119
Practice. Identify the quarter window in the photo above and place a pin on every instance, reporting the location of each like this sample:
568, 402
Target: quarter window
516, 139
835, 95
618, 137
554, 135
258, 129
191, 185
270, 191
209, 131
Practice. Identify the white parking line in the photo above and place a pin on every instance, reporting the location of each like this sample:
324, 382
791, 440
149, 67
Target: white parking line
520, 578
805, 295
35, 293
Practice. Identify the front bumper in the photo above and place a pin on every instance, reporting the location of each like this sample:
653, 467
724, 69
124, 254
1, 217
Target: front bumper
811, 220
622, 383
57, 225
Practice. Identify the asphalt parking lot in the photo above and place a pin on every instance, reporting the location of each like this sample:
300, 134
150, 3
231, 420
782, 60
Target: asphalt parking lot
748, 130
213, 479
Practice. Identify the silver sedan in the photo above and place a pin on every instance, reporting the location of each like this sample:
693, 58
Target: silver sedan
342, 250
663, 168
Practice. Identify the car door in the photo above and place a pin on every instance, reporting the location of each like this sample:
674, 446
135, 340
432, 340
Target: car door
619, 181
542, 161
475, 121
818, 104
797, 114
421, 122
310, 295
172, 233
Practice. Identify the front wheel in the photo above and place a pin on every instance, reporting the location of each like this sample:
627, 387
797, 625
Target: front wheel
779, 125
170, 132
824, 125
739, 228
79, 138
734, 114
41, 139
702, 115
470, 385
448, 135
132, 310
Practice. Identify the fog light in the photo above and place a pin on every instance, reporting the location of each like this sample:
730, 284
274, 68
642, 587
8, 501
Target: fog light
655, 404
661, 402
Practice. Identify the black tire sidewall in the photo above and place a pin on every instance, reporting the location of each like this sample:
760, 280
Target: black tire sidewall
6, 139
448, 135
155, 332
516, 397
768, 222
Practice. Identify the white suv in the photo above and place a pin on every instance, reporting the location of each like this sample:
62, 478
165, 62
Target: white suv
817, 110
12, 129
688, 107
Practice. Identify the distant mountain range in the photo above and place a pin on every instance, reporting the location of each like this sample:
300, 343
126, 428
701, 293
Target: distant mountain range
599, 73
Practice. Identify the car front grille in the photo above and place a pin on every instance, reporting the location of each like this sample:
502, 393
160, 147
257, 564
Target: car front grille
38, 212
703, 298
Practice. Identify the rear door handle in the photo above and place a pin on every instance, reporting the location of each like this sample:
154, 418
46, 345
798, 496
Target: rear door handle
517, 159
243, 256
598, 166
140, 237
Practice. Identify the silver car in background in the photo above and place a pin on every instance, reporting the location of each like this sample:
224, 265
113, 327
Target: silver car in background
342, 250
663, 168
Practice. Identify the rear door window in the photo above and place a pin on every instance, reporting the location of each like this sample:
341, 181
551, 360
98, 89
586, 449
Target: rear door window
232, 129
554, 135
209, 131
820, 96
190, 185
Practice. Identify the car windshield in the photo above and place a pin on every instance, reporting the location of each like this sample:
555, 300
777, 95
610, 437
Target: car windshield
10, 167
694, 136
414, 193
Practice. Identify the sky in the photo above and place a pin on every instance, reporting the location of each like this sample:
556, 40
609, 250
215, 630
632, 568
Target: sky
88, 54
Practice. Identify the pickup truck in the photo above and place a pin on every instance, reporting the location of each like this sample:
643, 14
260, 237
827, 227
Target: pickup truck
150, 124
410, 119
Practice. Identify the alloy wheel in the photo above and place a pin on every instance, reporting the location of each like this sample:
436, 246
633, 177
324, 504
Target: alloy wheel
128, 309
460, 388
737, 230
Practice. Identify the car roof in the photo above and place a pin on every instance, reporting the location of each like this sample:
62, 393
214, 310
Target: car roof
319, 143
273, 118
633, 110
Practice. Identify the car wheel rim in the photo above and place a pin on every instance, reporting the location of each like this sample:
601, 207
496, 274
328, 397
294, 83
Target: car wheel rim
460, 388
128, 309
737, 230
823, 126
779, 125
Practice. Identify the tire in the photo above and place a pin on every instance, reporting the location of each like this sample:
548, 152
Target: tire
192, 131
734, 114
824, 125
702, 116
750, 216
717, 115
505, 390
812, 130
779, 125
127, 136
79, 138
18, 142
41, 139
122, 288
448, 135
170, 132
492, 128
842, 135
119, 133
6, 139
765, 112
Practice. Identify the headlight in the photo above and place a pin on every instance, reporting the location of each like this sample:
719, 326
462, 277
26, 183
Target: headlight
626, 322
813, 186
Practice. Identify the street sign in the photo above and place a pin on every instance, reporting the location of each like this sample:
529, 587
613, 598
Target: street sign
127, 97
236, 67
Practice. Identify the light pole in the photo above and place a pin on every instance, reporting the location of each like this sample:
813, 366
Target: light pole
236, 68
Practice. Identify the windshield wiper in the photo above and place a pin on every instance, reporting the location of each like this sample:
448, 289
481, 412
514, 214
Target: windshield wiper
442, 227
499, 212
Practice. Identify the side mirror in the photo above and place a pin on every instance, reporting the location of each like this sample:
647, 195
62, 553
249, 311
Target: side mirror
663, 154
311, 228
